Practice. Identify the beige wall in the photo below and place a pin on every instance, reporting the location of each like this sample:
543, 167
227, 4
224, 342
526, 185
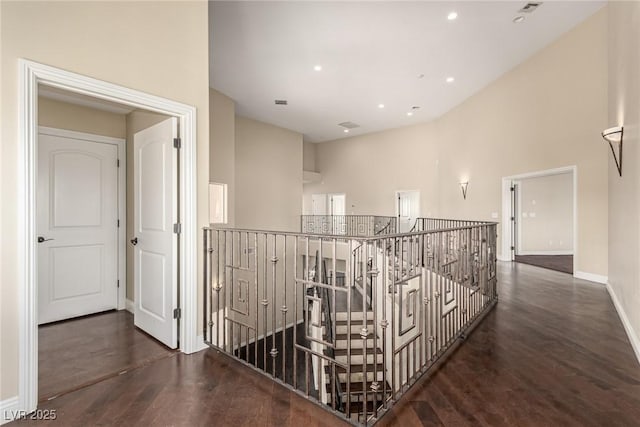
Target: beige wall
546, 113
369, 169
62, 115
268, 176
624, 192
546, 215
309, 157
126, 43
222, 157
135, 122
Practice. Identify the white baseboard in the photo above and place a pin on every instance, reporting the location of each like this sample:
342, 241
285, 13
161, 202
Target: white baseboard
200, 344
504, 258
10, 409
128, 305
591, 277
634, 338
545, 253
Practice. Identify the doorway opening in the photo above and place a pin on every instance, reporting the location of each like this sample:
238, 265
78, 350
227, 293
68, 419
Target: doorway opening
329, 204
407, 209
98, 254
83, 172
539, 219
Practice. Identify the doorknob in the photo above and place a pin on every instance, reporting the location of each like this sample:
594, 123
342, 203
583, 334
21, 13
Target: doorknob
134, 241
42, 239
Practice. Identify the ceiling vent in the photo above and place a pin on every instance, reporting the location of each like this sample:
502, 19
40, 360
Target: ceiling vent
530, 7
281, 102
349, 125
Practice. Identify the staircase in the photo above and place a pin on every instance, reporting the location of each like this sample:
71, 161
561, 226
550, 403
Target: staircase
374, 365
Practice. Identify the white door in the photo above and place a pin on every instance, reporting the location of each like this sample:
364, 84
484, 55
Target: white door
338, 204
77, 214
155, 243
319, 202
407, 209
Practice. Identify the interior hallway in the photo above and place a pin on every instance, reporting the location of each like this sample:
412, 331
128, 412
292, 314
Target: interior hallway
552, 352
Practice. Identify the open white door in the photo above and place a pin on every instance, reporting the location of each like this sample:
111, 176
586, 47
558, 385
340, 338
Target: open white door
77, 217
155, 243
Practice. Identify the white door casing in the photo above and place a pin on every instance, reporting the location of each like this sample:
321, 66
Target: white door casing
31, 76
77, 216
155, 212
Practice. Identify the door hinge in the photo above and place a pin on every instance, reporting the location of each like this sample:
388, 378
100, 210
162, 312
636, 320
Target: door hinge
513, 248
118, 163
118, 282
513, 188
118, 223
177, 143
177, 228
177, 313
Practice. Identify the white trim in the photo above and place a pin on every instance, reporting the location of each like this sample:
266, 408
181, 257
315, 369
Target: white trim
506, 208
122, 197
10, 409
128, 305
200, 344
567, 252
597, 278
634, 337
31, 74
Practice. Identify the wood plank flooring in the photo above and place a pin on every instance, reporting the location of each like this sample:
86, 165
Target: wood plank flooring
563, 263
552, 353
78, 352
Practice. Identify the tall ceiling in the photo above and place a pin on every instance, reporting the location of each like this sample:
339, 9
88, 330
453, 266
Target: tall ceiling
394, 53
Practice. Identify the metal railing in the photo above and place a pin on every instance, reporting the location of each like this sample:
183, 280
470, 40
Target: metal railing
270, 302
348, 225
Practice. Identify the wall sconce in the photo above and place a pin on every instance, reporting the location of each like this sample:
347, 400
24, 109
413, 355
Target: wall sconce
463, 186
614, 137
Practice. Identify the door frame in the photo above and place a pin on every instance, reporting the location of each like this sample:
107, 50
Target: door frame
506, 253
31, 74
120, 143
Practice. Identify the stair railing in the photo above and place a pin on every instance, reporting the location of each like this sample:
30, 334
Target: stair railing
323, 293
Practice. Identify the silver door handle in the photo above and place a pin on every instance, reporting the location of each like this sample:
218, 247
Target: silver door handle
134, 241
42, 239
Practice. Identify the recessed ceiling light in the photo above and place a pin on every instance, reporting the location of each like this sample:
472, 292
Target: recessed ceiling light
421, 76
518, 19
410, 113
346, 131
318, 68
380, 105
450, 79
452, 15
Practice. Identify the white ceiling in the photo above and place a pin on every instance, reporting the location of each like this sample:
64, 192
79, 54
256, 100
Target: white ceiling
370, 53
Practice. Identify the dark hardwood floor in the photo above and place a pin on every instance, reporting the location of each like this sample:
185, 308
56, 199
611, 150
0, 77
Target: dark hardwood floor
552, 353
563, 263
78, 352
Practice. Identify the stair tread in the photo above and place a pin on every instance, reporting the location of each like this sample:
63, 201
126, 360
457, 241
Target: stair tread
353, 322
357, 368
355, 351
354, 336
